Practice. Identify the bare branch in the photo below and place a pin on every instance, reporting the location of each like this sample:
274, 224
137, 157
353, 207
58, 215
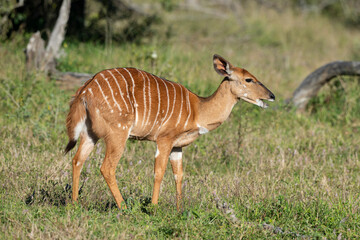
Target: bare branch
314, 81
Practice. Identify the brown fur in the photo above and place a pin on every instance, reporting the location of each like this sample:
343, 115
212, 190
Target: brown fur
123, 103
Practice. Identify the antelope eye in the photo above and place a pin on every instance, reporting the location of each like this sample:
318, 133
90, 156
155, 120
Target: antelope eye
248, 80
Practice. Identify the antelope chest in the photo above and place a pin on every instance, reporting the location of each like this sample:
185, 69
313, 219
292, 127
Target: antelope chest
190, 136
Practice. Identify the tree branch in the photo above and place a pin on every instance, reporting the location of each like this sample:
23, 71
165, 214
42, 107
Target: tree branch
314, 81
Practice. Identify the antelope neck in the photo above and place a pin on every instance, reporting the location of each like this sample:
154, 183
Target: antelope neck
215, 109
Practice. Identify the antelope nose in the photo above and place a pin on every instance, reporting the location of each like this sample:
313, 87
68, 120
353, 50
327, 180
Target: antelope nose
272, 96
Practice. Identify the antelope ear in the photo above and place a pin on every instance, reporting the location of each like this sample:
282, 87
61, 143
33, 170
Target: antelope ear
221, 66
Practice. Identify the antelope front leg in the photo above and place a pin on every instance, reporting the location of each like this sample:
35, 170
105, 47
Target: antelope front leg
161, 160
176, 164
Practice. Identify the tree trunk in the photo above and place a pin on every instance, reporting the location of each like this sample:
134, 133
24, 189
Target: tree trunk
56, 38
314, 81
35, 52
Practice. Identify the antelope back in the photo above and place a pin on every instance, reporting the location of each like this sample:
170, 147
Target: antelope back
129, 98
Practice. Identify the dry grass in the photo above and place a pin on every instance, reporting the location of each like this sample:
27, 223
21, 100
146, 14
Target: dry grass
297, 172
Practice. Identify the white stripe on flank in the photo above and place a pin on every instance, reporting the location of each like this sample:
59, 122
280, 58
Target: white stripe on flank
168, 103
127, 90
187, 106
121, 93
133, 93
112, 92
91, 91
144, 92
172, 111
180, 106
149, 92
157, 114
105, 97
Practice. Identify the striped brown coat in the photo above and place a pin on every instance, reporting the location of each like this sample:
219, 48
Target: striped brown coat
121, 103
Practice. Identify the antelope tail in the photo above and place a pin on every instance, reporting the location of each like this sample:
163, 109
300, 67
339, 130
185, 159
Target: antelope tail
75, 121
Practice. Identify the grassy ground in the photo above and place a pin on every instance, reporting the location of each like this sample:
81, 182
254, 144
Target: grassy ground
296, 172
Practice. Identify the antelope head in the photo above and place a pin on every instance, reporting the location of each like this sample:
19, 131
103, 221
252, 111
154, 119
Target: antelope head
243, 85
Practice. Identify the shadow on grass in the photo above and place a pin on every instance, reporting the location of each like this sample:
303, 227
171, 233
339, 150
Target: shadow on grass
144, 204
52, 193
55, 194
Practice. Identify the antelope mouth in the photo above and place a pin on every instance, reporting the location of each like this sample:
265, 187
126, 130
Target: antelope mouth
258, 102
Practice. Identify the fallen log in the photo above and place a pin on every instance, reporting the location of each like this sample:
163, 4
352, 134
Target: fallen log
317, 79
71, 80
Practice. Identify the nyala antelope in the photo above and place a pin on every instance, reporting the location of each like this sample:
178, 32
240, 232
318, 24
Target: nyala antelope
122, 103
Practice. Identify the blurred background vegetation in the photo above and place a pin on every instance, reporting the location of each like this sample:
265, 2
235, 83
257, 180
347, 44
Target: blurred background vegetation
134, 21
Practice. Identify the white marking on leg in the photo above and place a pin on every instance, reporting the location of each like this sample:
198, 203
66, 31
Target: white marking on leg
176, 160
180, 106
133, 93
121, 93
127, 89
173, 107
107, 102
202, 130
188, 107
176, 154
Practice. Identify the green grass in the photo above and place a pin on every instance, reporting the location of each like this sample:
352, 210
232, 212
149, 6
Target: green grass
296, 172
